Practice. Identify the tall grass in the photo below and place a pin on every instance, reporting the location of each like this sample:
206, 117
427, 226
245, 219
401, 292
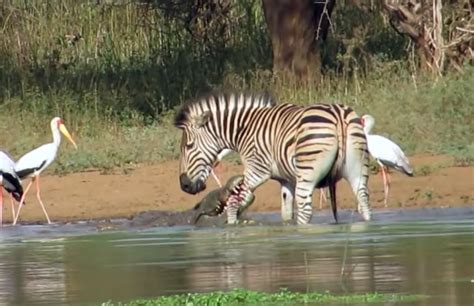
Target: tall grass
118, 83
422, 116
131, 57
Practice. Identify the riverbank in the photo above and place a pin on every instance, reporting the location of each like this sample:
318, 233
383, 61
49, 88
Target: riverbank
92, 195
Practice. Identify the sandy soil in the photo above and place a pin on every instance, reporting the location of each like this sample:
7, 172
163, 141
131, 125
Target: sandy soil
92, 195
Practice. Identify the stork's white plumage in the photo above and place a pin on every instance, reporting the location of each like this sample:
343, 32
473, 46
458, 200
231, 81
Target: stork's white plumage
387, 154
10, 182
34, 162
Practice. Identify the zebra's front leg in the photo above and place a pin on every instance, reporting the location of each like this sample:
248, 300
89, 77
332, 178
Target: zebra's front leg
248, 200
304, 201
232, 210
237, 204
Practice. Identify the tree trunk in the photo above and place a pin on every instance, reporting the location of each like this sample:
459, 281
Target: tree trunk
296, 28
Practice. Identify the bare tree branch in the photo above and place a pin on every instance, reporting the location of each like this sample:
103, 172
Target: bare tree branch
423, 22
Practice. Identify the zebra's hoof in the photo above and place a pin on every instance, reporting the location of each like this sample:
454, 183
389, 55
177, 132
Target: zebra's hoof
366, 215
242, 221
248, 221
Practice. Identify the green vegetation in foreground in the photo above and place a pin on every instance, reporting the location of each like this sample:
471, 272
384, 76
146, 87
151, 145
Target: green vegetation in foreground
118, 86
241, 296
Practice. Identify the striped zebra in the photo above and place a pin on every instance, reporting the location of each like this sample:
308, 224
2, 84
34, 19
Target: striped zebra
303, 148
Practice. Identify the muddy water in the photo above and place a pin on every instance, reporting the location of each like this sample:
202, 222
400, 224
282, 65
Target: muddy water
431, 253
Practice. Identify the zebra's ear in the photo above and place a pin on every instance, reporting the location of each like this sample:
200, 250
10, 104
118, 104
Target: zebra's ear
203, 119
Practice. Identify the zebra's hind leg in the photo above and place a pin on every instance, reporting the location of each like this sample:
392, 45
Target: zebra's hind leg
304, 198
356, 167
312, 166
287, 198
305, 183
358, 177
361, 191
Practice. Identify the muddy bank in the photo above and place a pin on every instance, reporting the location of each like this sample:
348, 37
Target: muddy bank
94, 196
186, 218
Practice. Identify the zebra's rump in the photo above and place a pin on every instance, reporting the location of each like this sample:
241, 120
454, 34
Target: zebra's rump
325, 126
299, 133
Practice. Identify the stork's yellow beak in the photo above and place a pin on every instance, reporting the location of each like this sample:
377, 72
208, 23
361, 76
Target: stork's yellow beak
65, 132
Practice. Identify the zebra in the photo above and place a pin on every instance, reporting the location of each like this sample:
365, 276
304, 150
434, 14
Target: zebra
301, 147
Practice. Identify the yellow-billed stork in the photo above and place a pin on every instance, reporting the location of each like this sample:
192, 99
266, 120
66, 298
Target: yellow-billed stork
34, 162
387, 154
10, 182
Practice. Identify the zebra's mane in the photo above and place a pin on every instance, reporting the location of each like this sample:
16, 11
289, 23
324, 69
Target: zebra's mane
212, 101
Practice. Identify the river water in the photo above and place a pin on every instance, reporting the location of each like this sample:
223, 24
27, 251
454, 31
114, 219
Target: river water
429, 252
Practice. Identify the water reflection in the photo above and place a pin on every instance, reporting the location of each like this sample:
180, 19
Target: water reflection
422, 258
32, 273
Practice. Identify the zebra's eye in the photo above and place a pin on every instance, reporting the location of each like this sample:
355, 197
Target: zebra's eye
189, 145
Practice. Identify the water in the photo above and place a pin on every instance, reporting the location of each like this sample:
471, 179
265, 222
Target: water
55, 265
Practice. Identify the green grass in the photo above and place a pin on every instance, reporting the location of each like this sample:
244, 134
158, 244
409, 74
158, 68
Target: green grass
103, 144
432, 118
464, 156
118, 87
246, 297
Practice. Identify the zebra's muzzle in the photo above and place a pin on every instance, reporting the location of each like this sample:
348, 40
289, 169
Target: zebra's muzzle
189, 186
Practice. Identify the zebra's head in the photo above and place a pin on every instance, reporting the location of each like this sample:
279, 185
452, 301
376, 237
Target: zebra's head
199, 150
210, 125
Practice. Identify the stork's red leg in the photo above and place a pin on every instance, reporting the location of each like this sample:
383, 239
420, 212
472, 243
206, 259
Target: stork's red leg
22, 200
322, 195
386, 185
13, 208
39, 199
389, 181
385, 188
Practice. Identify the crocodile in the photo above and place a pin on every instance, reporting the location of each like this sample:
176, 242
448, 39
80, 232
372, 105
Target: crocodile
214, 203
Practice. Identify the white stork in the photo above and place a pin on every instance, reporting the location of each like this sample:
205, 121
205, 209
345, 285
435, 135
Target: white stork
387, 154
10, 181
34, 162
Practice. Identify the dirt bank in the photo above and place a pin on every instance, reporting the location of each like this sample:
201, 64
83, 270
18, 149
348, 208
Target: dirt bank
92, 195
